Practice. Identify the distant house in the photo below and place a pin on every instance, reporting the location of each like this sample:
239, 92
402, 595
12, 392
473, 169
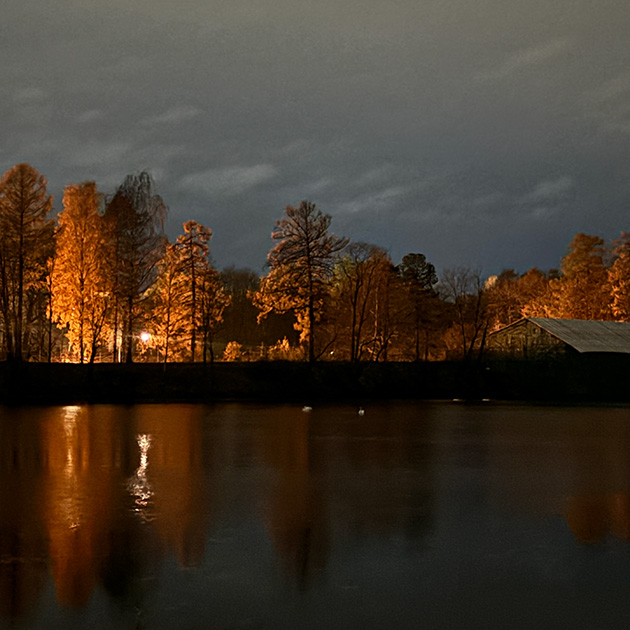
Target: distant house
538, 337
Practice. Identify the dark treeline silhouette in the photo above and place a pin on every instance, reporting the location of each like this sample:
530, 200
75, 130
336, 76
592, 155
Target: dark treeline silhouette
101, 282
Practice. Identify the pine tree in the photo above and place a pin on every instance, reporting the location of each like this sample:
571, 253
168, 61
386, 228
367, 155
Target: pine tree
420, 304
300, 267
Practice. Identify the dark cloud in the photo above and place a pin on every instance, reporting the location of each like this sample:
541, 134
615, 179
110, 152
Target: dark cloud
485, 133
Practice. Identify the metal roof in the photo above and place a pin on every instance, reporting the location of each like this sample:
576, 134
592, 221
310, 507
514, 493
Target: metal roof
587, 335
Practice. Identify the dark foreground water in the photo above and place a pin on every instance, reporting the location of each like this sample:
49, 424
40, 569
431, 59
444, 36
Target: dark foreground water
235, 516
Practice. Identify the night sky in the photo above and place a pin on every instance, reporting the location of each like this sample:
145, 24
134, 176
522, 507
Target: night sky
483, 133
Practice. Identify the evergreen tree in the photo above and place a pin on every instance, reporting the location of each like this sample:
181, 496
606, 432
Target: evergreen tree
419, 280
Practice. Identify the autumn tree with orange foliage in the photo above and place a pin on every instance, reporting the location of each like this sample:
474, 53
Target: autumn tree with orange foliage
583, 290
26, 243
384, 305
214, 299
188, 299
619, 279
193, 251
80, 279
168, 316
511, 296
354, 294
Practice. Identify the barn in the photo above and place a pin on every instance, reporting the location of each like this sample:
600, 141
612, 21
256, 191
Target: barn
540, 338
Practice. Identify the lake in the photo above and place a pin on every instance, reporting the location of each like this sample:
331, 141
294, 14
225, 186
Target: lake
413, 515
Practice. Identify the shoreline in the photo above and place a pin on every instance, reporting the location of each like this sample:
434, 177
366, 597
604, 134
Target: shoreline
579, 379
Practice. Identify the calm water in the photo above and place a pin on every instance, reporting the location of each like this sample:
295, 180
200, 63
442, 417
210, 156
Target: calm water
235, 516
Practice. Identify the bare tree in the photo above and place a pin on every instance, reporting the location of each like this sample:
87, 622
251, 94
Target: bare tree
135, 220
463, 288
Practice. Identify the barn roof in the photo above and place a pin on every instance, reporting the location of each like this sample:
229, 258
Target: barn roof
588, 335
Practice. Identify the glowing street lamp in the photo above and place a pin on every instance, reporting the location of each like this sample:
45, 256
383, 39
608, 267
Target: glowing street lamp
145, 336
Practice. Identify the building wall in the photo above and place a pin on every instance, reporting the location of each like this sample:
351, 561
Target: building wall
525, 340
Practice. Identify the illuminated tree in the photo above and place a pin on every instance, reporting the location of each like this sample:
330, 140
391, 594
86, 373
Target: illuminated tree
168, 315
359, 280
213, 300
135, 219
537, 294
26, 240
81, 284
619, 279
188, 299
300, 267
583, 291
193, 252
386, 310
233, 351
511, 297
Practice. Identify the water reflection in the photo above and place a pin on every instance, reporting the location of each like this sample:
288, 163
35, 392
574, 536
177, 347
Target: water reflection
23, 552
171, 452
65, 476
139, 485
295, 510
124, 501
77, 483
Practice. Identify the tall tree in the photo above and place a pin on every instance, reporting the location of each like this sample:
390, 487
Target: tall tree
419, 279
213, 300
463, 288
194, 250
359, 276
619, 279
26, 240
583, 291
169, 317
81, 284
300, 266
135, 221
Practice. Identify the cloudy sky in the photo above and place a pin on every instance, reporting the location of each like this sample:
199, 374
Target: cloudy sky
484, 133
